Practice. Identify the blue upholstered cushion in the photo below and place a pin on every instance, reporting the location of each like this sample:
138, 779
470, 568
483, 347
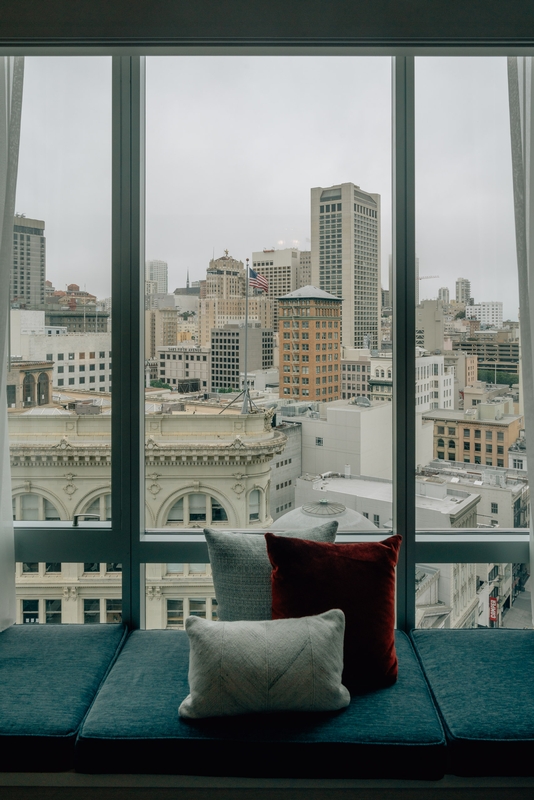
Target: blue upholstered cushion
49, 676
483, 683
134, 726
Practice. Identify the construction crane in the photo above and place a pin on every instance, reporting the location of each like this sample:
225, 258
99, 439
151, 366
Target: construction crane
427, 277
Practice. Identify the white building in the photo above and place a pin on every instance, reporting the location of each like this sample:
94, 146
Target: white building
444, 295
344, 436
434, 382
158, 271
345, 257
185, 367
488, 313
80, 360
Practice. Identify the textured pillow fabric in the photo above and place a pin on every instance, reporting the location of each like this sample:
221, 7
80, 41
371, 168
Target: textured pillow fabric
311, 577
271, 665
242, 572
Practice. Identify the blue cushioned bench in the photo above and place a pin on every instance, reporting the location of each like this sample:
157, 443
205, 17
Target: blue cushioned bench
133, 726
49, 676
483, 683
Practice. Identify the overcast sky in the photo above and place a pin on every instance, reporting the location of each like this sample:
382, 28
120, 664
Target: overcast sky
235, 144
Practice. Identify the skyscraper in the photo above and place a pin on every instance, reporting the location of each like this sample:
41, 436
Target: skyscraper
29, 262
345, 257
158, 271
463, 291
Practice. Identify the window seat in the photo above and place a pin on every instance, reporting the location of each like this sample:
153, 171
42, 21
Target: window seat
49, 676
133, 726
122, 696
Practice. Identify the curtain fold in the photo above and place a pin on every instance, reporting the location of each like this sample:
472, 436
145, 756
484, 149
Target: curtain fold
521, 100
11, 82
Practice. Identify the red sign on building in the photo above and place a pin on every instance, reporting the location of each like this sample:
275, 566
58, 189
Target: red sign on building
493, 609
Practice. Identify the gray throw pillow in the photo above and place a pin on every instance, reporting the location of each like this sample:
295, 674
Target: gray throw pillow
242, 571
265, 666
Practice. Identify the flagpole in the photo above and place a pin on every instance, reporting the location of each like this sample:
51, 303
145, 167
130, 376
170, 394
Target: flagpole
246, 404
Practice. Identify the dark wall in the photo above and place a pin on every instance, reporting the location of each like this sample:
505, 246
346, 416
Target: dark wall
298, 21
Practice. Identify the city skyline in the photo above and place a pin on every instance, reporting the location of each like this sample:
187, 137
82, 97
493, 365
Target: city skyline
259, 171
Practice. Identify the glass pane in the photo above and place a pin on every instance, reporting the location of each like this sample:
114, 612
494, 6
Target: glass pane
53, 612
82, 587
470, 425
172, 594
299, 211
59, 377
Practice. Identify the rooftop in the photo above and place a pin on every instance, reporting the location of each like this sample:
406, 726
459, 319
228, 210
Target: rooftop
310, 293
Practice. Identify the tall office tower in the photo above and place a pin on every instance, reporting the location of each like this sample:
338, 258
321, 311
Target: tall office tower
224, 299
444, 296
345, 257
310, 345
29, 262
280, 268
158, 271
463, 291
304, 269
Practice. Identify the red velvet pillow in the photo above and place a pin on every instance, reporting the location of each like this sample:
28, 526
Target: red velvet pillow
312, 577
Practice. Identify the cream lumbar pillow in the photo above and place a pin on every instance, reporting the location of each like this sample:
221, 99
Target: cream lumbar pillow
265, 666
241, 570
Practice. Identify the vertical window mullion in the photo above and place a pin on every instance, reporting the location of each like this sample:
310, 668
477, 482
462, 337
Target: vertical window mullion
127, 257
404, 460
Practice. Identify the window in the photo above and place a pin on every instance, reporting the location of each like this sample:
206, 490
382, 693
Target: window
91, 611
318, 441
30, 612
194, 510
53, 612
175, 613
494, 508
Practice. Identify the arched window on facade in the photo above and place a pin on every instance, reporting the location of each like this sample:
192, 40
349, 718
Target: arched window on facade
101, 506
34, 508
196, 509
28, 390
43, 395
452, 444
441, 443
254, 505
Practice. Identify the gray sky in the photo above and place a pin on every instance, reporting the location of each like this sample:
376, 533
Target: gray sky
235, 144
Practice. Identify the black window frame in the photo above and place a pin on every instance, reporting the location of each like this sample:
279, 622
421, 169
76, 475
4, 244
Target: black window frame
380, 28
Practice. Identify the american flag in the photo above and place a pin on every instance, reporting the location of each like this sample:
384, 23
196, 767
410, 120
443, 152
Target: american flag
258, 281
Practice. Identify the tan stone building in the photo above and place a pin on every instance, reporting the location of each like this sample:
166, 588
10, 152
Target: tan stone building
29, 383
479, 435
224, 300
310, 345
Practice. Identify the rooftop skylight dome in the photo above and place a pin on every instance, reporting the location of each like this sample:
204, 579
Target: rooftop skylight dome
323, 511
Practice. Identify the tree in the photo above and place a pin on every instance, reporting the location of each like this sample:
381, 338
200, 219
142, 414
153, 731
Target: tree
488, 375
460, 315
160, 384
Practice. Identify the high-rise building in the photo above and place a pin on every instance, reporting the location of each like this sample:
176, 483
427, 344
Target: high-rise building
444, 295
158, 271
463, 291
345, 257
280, 268
310, 345
224, 299
28, 272
304, 269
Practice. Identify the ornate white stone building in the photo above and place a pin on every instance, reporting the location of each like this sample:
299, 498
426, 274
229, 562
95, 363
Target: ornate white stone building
202, 468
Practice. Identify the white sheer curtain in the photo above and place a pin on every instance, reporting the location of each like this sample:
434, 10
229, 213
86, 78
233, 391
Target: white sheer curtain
521, 96
11, 79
